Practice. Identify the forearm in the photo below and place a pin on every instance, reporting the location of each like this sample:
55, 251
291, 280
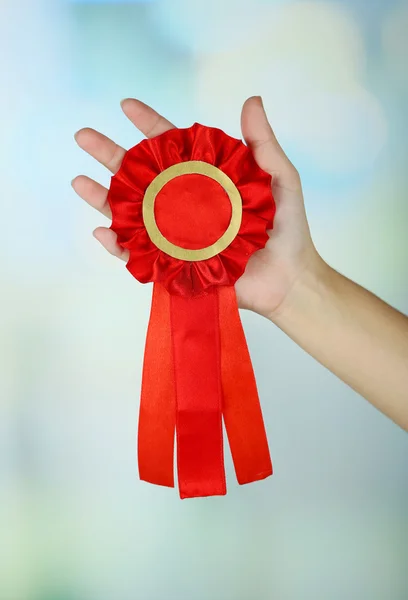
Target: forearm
353, 333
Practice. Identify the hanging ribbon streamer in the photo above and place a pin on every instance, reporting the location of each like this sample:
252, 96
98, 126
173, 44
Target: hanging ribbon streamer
192, 206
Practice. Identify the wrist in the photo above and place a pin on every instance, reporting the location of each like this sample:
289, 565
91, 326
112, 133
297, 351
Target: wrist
307, 292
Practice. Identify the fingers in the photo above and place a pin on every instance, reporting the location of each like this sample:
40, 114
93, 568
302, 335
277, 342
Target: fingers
96, 195
260, 137
103, 149
256, 128
93, 193
111, 155
109, 241
146, 119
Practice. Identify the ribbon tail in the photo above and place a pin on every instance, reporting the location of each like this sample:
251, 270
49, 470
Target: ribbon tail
196, 351
157, 417
241, 408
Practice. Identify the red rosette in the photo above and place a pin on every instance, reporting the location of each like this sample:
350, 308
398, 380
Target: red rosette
192, 206
144, 162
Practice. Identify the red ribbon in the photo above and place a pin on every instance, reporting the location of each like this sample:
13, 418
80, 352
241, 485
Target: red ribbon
197, 369
157, 417
241, 406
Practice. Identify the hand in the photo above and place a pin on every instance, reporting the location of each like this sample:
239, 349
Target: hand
271, 273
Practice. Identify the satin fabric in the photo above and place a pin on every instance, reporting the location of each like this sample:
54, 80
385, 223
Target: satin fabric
214, 378
195, 199
157, 414
196, 347
241, 408
197, 367
144, 162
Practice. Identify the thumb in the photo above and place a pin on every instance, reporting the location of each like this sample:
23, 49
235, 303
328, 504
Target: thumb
268, 153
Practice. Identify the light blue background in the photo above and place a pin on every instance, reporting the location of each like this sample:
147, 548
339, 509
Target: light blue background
75, 521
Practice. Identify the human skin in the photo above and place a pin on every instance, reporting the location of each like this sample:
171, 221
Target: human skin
360, 338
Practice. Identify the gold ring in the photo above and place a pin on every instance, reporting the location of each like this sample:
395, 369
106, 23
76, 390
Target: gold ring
184, 168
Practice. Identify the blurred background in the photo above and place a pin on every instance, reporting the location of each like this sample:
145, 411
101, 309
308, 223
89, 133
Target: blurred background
75, 521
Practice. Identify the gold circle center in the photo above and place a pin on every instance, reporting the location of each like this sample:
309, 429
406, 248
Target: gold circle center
184, 168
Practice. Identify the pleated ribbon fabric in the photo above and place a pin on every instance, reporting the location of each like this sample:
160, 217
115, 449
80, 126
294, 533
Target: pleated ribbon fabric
192, 206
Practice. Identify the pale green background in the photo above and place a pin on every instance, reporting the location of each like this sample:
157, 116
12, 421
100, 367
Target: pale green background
75, 521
